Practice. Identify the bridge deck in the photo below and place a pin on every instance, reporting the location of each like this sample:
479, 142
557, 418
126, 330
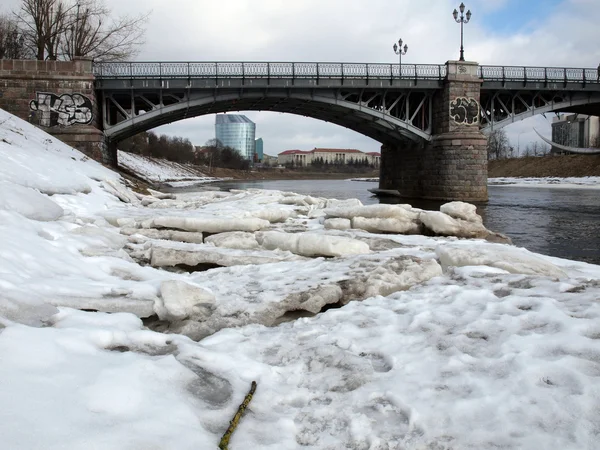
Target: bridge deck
301, 74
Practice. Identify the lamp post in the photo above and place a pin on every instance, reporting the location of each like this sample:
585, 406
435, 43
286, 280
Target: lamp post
398, 51
462, 20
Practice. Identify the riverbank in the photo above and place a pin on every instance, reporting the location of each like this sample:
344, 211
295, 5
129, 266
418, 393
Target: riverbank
393, 339
563, 166
287, 174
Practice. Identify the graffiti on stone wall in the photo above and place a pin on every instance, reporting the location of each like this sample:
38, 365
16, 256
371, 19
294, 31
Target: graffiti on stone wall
464, 111
64, 110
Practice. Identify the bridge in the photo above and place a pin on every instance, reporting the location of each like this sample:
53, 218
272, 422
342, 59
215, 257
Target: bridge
432, 120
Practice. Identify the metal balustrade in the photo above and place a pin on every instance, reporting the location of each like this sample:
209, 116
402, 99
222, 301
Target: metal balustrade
539, 74
299, 70
293, 70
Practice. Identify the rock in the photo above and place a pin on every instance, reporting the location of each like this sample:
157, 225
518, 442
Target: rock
181, 300
498, 238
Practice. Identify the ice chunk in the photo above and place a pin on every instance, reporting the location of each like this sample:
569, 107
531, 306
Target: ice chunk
337, 224
300, 200
26, 309
28, 202
120, 191
461, 210
273, 215
312, 244
169, 256
389, 225
375, 211
101, 237
211, 225
181, 300
141, 308
234, 239
511, 259
171, 235
444, 225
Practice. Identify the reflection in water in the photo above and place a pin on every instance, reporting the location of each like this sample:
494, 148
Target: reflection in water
552, 221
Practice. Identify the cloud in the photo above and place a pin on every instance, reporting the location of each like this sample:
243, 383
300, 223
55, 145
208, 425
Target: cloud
557, 34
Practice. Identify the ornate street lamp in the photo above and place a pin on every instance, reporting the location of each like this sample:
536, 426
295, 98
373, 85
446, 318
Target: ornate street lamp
462, 20
398, 51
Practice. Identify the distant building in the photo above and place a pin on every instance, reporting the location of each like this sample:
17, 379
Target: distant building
575, 130
258, 150
236, 131
328, 156
374, 158
269, 160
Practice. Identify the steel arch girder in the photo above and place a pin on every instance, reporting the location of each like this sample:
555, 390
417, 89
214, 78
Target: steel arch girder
533, 111
179, 111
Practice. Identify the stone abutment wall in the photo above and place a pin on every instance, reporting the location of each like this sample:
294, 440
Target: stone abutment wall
57, 96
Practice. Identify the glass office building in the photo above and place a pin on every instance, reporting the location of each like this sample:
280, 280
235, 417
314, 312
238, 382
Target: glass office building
236, 131
259, 150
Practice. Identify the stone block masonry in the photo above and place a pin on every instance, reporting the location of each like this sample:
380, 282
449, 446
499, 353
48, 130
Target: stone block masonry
57, 96
453, 165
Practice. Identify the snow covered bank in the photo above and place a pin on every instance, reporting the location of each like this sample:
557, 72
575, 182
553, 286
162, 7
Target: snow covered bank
155, 170
358, 337
568, 182
548, 182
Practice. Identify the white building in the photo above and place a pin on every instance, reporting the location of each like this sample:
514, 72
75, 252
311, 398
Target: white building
576, 130
328, 156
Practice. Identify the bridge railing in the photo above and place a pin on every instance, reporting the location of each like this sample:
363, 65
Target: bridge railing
299, 70
294, 70
545, 74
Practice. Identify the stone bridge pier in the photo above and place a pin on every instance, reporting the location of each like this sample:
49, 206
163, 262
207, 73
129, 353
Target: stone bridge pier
453, 165
60, 98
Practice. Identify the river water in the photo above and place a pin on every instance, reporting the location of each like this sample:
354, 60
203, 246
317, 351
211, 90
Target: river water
562, 222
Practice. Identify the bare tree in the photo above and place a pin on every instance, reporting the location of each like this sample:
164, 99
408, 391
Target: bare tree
65, 29
12, 40
43, 24
497, 146
536, 148
93, 33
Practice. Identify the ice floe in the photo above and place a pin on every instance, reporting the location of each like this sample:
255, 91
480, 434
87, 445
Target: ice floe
139, 321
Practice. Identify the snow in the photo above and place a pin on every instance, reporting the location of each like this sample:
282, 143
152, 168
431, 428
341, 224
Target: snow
461, 210
444, 225
548, 182
389, 341
183, 300
162, 171
28, 202
311, 244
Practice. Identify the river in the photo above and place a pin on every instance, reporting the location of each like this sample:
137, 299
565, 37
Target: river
562, 222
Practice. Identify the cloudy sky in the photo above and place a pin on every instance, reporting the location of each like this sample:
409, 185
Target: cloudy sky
501, 32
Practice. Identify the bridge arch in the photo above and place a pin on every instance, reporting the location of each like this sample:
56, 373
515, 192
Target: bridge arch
378, 123
518, 109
